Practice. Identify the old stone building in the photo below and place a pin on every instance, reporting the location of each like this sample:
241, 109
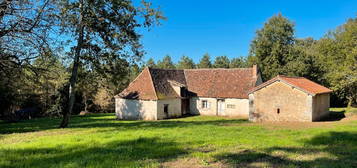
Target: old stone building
289, 99
162, 93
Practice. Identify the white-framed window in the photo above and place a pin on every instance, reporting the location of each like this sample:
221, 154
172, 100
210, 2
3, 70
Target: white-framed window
204, 104
231, 106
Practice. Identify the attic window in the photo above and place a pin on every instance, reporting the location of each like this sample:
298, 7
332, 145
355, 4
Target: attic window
278, 111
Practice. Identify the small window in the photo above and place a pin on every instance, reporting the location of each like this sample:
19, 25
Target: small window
231, 106
278, 111
204, 104
166, 108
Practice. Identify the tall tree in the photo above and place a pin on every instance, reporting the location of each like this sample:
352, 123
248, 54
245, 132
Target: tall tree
166, 63
106, 31
205, 62
272, 46
151, 63
338, 53
221, 62
240, 62
186, 63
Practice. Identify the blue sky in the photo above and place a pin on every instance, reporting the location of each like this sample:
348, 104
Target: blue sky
226, 27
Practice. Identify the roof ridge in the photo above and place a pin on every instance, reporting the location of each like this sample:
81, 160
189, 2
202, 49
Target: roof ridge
152, 83
203, 69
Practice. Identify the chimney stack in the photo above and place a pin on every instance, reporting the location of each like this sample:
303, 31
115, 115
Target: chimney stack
255, 71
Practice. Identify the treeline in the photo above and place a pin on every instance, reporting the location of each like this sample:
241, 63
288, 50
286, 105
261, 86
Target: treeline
330, 61
186, 62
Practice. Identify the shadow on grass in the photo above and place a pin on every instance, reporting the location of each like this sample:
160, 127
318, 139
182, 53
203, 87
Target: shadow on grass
130, 153
335, 116
333, 149
107, 121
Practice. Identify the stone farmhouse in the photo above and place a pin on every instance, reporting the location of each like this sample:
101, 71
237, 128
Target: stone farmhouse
289, 99
165, 93
162, 93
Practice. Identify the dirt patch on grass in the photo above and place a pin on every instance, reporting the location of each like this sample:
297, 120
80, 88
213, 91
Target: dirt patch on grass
192, 163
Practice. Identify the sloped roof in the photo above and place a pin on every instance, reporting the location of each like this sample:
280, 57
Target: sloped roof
301, 83
220, 83
162, 80
140, 88
154, 84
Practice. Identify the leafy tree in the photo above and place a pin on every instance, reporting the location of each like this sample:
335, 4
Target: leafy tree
24, 31
337, 52
205, 62
151, 63
240, 62
105, 32
166, 63
272, 46
221, 62
186, 63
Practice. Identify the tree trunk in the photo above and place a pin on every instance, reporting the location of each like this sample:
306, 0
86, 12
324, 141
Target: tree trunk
73, 79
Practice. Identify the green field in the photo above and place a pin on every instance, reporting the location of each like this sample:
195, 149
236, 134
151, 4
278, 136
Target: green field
99, 140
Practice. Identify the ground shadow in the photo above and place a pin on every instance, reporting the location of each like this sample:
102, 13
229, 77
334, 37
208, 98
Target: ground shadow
107, 121
334, 116
332, 149
130, 153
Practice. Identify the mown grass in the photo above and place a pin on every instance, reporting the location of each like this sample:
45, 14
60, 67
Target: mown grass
101, 141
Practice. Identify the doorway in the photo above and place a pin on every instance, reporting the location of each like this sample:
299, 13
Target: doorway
221, 107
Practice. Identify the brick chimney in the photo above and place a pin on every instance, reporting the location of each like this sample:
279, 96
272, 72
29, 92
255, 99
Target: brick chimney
255, 71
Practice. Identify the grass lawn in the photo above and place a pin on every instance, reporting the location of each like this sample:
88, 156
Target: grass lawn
99, 140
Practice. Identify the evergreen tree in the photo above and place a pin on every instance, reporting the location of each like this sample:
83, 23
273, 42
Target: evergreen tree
166, 63
272, 46
221, 62
185, 63
205, 62
240, 62
151, 63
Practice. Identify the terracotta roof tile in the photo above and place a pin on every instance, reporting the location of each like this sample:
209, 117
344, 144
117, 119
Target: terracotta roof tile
156, 84
302, 83
220, 83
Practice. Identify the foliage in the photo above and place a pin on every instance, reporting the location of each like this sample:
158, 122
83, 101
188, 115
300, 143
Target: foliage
337, 51
186, 63
221, 62
272, 46
166, 63
205, 62
99, 140
240, 62
150, 63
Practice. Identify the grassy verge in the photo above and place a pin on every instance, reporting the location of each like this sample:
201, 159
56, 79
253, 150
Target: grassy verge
101, 141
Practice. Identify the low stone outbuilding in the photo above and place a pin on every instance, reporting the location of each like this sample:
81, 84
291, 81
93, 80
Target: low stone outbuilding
289, 99
166, 93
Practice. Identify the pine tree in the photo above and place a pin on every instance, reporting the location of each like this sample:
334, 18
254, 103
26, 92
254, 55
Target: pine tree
185, 63
205, 62
221, 62
166, 63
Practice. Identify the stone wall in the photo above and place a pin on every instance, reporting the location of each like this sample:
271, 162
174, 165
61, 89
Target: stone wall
174, 108
135, 109
196, 106
321, 105
241, 107
233, 107
280, 102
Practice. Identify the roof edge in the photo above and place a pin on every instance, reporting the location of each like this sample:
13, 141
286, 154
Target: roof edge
152, 83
